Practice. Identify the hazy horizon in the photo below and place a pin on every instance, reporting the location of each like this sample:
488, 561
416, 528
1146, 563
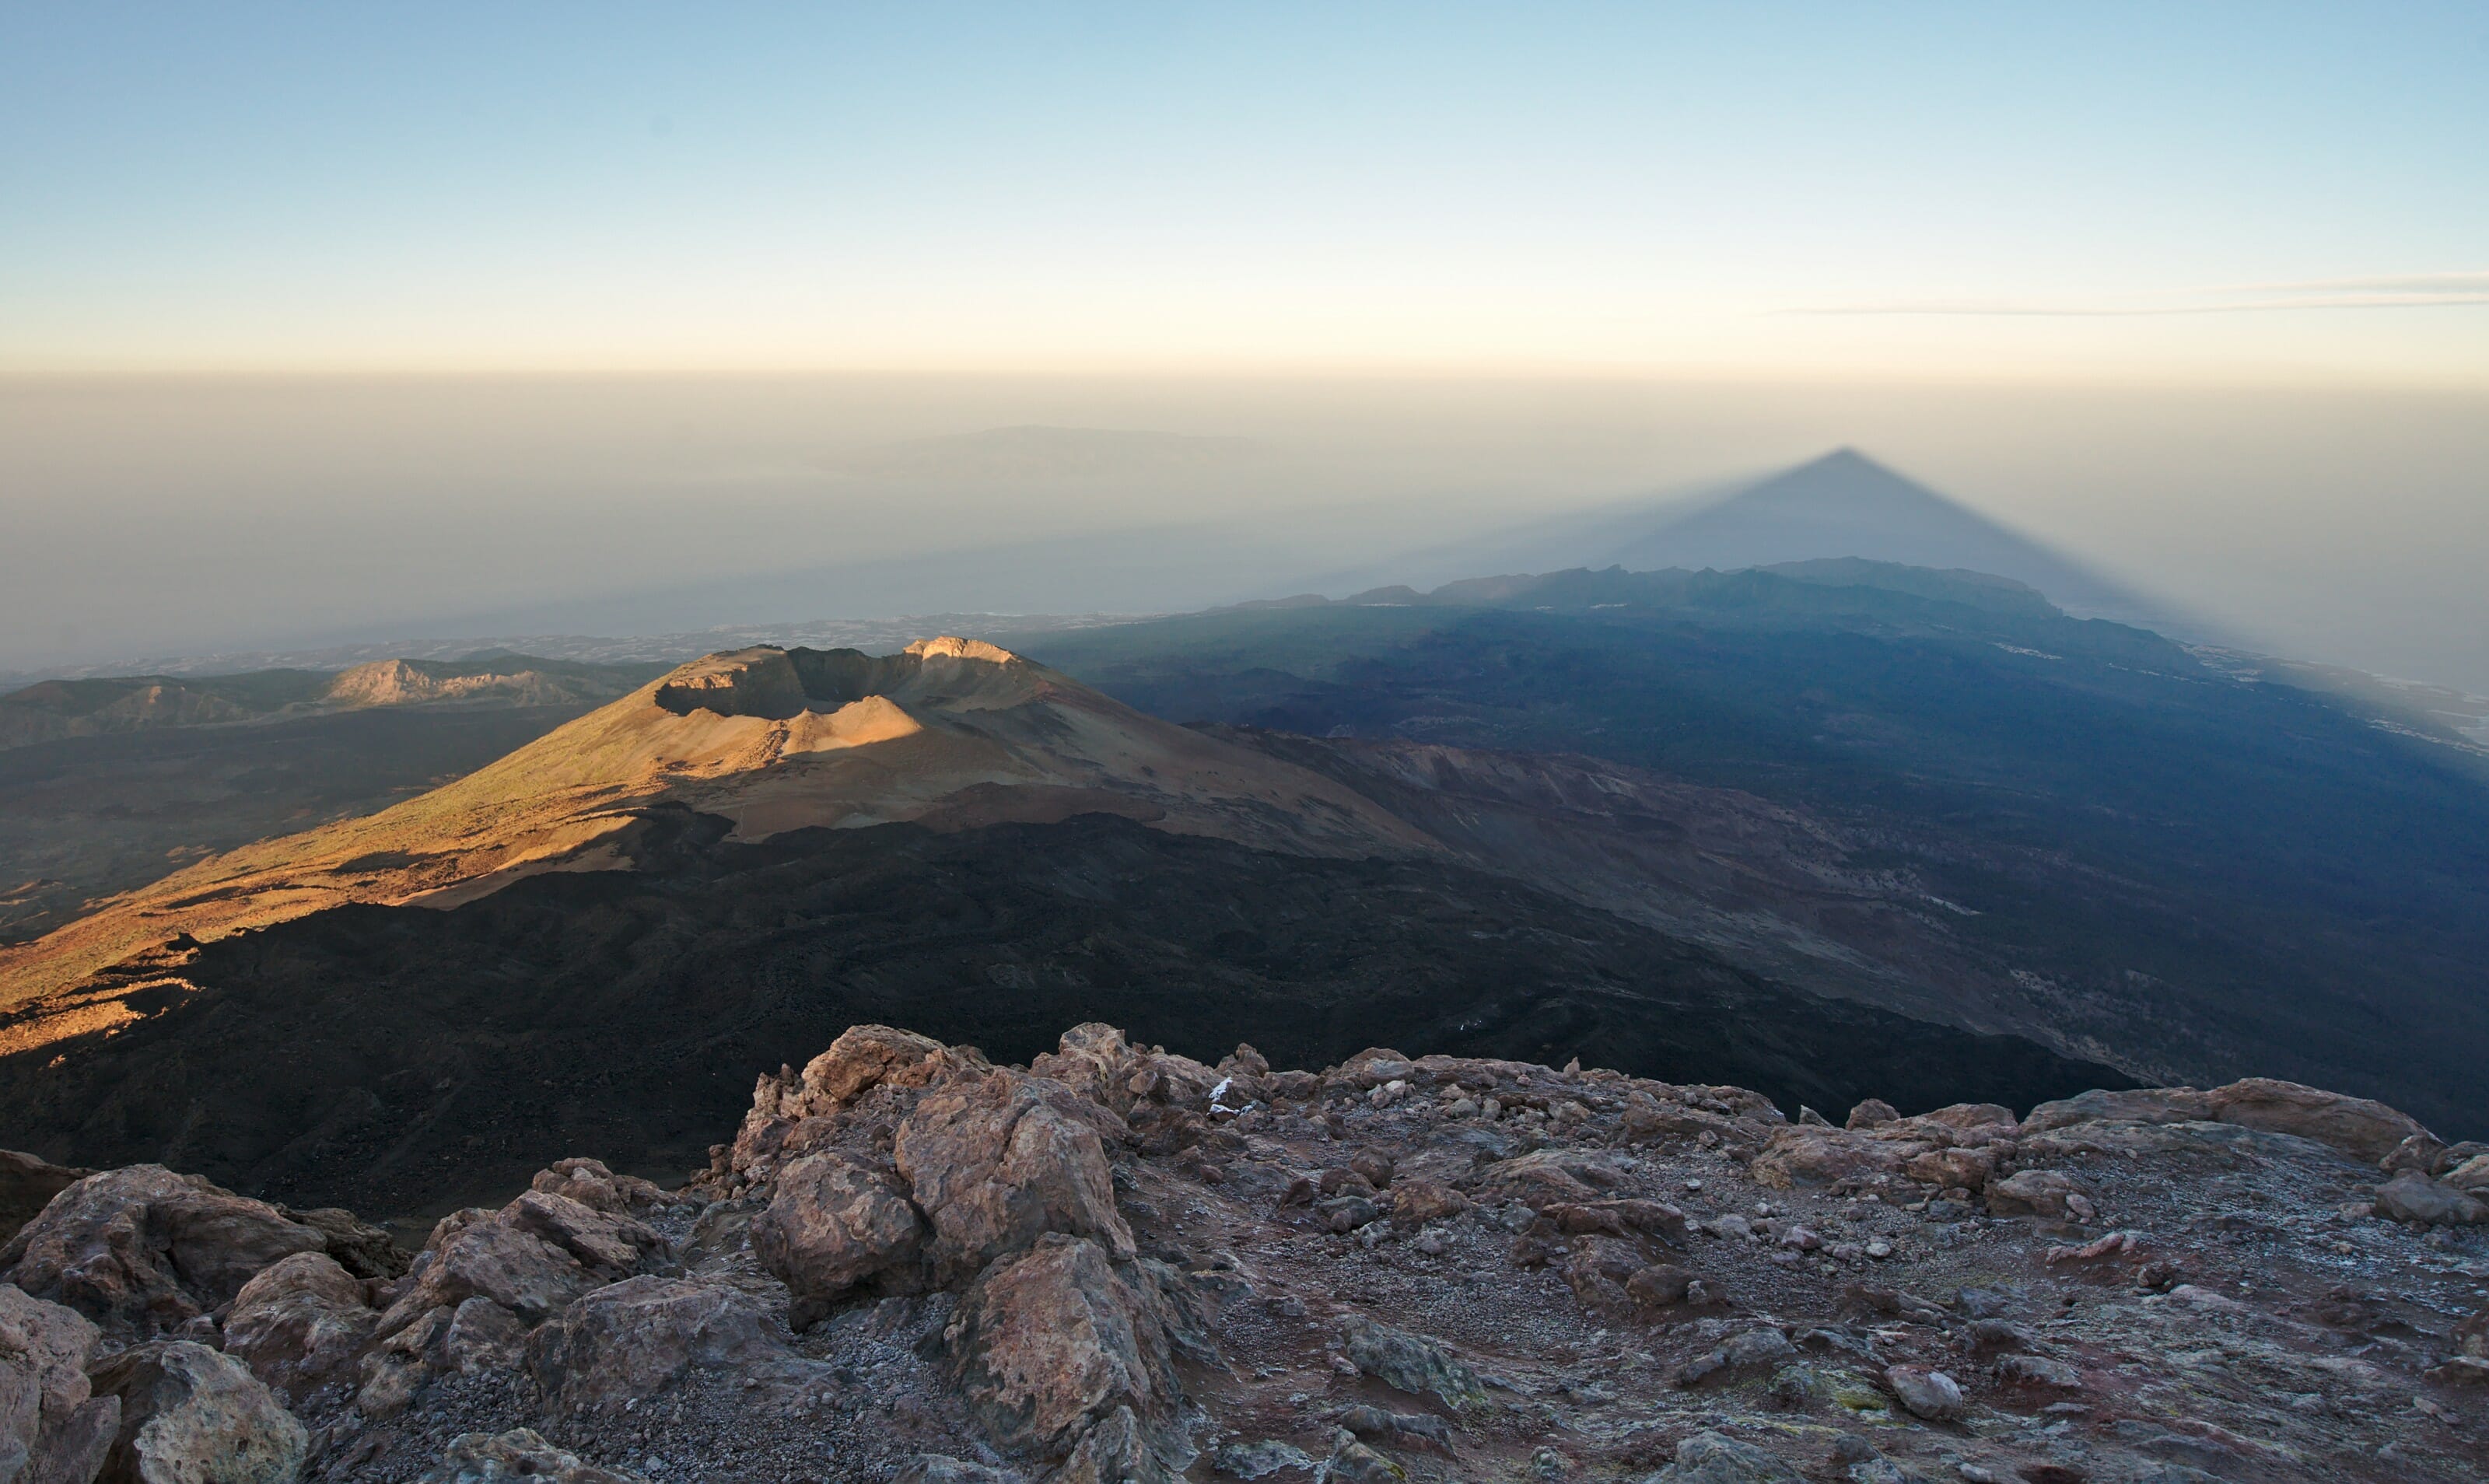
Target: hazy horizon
335, 323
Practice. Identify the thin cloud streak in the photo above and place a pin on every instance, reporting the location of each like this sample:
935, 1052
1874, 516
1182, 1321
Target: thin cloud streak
2461, 289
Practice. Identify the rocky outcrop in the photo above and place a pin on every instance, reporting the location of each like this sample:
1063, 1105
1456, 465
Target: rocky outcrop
1124, 1265
142, 1250
635, 1338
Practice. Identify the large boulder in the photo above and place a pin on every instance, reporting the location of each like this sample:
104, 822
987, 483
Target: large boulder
998, 1160
2414, 1197
51, 1425
607, 1245
482, 1253
865, 1057
2033, 1193
637, 1337
2137, 1105
2359, 1126
1056, 1338
836, 1221
591, 1185
301, 1324
1415, 1364
141, 1250
190, 1416
1805, 1157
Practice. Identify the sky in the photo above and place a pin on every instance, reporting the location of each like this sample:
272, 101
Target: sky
373, 320
2203, 190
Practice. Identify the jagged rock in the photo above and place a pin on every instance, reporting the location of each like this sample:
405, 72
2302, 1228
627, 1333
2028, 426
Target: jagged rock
1550, 1177
865, 1057
1659, 1285
1415, 1364
483, 1336
1375, 1422
190, 1416
1348, 1213
142, 1250
2140, 1106
1931, 1395
52, 1427
1947, 1169
2032, 1193
1416, 1202
1598, 1270
1760, 1346
635, 1338
1971, 1116
1805, 1159
477, 1253
1358, 1463
363, 1249
1049, 1340
300, 1323
27, 1185
2422, 1152
943, 1469
591, 1185
483, 1457
2039, 1371
1262, 1459
1116, 1451
2412, 1196
394, 1369
606, 1245
2472, 1176
996, 1162
1871, 1113
834, 1222
1707, 1458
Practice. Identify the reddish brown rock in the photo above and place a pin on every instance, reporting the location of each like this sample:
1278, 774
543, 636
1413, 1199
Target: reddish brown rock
996, 1162
834, 1222
1052, 1339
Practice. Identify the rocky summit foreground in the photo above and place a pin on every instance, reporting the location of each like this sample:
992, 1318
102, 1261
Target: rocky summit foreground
1117, 1263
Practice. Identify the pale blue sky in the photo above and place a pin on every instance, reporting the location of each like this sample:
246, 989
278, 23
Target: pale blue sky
2200, 190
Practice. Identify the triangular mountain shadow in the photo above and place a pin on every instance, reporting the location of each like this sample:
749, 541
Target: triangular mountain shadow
1846, 504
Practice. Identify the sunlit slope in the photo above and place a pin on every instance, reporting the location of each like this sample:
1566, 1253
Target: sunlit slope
953, 733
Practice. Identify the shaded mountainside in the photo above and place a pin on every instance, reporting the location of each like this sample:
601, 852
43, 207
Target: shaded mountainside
912, 1262
2188, 873
952, 732
395, 1059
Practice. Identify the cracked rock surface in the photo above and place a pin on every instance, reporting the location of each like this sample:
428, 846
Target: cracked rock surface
1119, 1264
